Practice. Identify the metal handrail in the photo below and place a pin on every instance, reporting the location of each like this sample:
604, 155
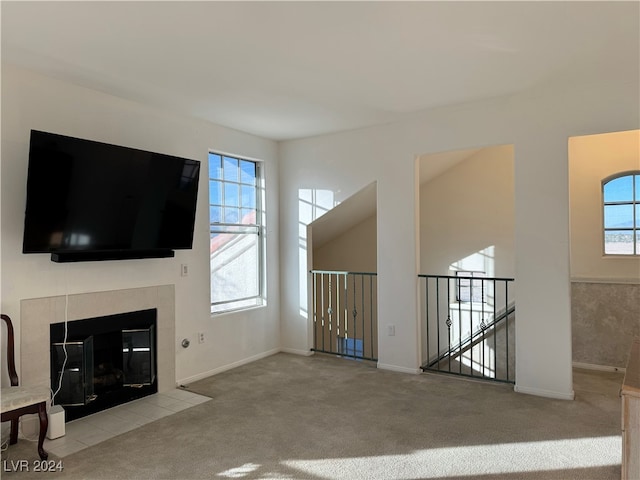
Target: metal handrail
344, 309
462, 277
464, 336
472, 337
343, 272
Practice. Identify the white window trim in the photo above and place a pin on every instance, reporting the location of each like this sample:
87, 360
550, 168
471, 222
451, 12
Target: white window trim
260, 298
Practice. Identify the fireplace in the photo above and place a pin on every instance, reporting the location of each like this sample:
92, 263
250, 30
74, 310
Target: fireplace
105, 361
37, 315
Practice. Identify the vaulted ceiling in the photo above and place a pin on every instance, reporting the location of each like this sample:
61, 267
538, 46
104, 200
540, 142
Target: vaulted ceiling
285, 70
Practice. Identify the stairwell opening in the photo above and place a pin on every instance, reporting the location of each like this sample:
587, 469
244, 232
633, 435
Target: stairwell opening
342, 254
467, 262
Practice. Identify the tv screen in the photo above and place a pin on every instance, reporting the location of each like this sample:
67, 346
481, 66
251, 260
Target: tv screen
88, 200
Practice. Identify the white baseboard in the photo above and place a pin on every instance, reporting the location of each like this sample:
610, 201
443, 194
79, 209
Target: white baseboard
539, 392
397, 368
601, 368
295, 351
224, 368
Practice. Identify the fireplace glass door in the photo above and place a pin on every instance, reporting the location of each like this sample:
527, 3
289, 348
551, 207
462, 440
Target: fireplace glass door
73, 372
138, 356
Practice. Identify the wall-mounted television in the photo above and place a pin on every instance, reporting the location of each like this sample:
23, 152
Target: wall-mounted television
89, 201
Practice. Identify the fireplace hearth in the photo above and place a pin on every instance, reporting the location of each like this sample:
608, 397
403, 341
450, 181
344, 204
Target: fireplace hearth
105, 361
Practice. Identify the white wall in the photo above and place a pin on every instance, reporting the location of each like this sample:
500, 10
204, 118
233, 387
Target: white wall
353, 250
592, 159
605, 306
469, 208
31, 101
538, 124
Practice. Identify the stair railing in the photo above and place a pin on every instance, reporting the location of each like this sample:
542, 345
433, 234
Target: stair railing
468, 326
345, 310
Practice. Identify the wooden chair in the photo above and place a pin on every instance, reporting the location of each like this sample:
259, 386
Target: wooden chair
17, 401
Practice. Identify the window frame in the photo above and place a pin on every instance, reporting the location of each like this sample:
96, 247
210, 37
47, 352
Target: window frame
471, 276
634, 203
223, 227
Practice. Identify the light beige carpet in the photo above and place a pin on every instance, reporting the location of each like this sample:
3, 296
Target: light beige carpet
323, 417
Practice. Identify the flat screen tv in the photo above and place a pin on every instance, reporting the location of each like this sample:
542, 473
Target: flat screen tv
90, 201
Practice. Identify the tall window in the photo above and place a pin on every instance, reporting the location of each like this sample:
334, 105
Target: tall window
621, 214
235, 217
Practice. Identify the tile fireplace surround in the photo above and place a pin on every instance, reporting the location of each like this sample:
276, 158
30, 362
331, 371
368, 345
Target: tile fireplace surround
38, 313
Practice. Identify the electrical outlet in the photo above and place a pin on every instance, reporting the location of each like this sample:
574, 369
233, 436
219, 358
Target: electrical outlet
391, 330
184, 270
201, 337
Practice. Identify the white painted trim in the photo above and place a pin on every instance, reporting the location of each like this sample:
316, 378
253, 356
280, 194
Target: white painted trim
397, 368
235, 155
295, 351
545, 393
224, 368
623, 281
601, 368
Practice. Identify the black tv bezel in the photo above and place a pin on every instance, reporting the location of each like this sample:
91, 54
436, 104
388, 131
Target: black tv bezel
102, 254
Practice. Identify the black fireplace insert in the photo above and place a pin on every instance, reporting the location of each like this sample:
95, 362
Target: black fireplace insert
101, 362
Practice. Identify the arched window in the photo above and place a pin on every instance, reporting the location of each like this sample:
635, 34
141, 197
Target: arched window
621, 214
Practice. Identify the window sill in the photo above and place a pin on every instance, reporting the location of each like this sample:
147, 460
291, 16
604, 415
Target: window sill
238, 310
